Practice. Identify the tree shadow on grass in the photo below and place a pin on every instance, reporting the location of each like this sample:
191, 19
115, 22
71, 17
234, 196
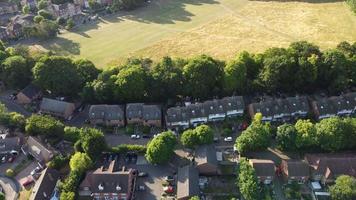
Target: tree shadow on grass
163, 12
303, 1
62, 46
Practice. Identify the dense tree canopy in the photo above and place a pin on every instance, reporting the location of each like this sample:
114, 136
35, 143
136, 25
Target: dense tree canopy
247, 181
80, 162
202, 134
344, 188
16, 72
306, 135
286, 137
92, 142
44, 125
203, 77
58, 75
160, 149
256, 137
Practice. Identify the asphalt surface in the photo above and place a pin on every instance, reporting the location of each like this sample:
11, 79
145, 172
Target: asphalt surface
11, 105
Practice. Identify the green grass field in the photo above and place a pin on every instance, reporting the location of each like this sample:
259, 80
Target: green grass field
220, 28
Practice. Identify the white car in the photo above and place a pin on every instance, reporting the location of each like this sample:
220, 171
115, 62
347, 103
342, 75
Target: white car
228, 139
135, 136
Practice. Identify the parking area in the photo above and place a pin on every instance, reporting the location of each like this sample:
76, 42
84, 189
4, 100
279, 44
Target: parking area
114, 140
9, 161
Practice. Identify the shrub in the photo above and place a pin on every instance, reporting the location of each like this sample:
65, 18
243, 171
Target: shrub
123, 148
58, 162
10, 173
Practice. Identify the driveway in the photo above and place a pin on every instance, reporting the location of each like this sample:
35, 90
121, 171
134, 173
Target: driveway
10, 187
11, 105
114, 140
5, 166
26, 172
153, 182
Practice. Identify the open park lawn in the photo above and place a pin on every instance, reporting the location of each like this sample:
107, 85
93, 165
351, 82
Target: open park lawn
220, 28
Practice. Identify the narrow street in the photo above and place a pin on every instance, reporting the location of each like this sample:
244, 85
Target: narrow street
10, 187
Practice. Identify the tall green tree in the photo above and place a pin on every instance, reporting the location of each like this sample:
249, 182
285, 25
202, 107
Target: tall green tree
80, 162
58, 75
203, 77
44, 125
92, 142
86, 70
306, 135
161, 148
286, 137
235, 78
131, 83
16, 72
247, 181
344, 188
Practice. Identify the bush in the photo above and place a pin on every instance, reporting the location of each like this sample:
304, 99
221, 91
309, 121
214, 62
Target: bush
227, 132
129, 130
58, 162
124, 148
10, 173
2, 196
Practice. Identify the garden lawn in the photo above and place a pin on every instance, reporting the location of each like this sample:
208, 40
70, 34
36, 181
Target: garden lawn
220, 28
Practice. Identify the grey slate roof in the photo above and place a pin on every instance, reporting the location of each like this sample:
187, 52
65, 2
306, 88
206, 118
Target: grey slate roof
197, 110
53, 105
264, 107
298, 104
106, 112
214, 107
263, 167
134, 110
31, 91
174, 114
296, 168
281, 106
206, 154
152, 112
45, 185
188, 182
325, 106
351, 97
9, 144
233, 103
111, 179
340, 103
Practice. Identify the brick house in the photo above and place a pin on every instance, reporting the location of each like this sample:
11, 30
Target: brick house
295, 170
299, 107
152, 115
65, 10
134, 113
216, 110
45, 185
265, 170
57, 108
108, 115
39, 151
323, 108
177, 118
28, 94
234, 106
205, 159
109, 182
187, 183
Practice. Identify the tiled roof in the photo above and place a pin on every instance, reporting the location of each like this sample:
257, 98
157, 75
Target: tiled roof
45, 185
188, 182
106, 112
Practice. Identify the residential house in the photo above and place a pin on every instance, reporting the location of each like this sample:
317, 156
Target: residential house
177, 117
188, 182
9, 145
298, 106
281, 112
134, 113
216, 110
263, 107
327, 167
108, 115
323, 108
265, 170
3, 33
295, 170
198, 114
30, 3
205, 160
45, 185
8, 8
109, 182
351, 97
39, 151
15, 28
65, 10
28, 94
57, 108
234, 106
343, 107
152, 115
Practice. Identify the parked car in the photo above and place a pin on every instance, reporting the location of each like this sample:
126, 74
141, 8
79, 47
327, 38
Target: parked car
135, 136
146, 136
228, 139
15, 153
142, 174
216, 139
169, 178
36, 170
3, 159
27, 182
11, 159
168, 189
141, 188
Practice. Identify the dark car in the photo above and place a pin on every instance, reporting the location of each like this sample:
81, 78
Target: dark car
146, 136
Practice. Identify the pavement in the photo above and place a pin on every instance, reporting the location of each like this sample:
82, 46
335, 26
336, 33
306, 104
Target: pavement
5, 166
114, 140
10, 188
11, 105
26, 172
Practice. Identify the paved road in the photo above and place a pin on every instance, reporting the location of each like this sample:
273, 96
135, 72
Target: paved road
10, 187
11, 105
114, 140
